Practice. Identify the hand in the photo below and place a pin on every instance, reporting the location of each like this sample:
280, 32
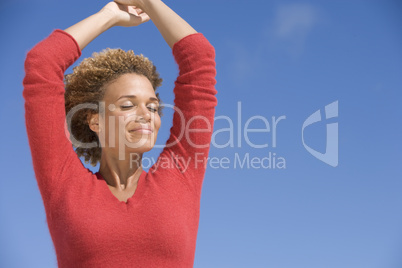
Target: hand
123, 15
137, 3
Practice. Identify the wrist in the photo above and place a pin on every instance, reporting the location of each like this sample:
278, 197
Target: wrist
107, 18
147, 5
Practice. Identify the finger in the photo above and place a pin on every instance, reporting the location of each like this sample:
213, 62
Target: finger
135, 10
138, 19
123, 2
139, 10
132, 10
144, 17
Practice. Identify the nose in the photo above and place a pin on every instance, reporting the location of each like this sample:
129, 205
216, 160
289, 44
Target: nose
143, 114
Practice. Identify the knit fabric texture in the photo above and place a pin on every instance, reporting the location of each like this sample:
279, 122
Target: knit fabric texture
89, 226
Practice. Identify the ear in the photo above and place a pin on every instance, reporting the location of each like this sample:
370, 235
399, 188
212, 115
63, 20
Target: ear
93, 122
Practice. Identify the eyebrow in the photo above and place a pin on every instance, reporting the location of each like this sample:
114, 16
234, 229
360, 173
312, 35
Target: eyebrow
133, 97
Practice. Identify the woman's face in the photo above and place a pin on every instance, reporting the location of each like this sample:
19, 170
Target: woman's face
131, 121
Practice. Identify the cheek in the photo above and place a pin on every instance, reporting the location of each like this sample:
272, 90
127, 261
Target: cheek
114, 121
123, 118
157, 122
129, 116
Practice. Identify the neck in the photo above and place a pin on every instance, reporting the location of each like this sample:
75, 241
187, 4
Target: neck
121, 174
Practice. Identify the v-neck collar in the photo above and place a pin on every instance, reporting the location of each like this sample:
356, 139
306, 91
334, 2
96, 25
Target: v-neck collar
135, 198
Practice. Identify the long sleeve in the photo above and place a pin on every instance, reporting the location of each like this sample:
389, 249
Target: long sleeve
195, 101
52, 153
157, 226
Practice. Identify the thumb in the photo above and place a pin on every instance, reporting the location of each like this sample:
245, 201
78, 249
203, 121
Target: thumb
141, 18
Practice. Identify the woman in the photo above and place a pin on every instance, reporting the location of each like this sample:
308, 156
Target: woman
120, 216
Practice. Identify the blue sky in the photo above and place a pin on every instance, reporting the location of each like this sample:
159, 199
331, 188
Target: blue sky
274, 58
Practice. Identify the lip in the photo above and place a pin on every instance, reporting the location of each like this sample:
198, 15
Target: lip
142, 129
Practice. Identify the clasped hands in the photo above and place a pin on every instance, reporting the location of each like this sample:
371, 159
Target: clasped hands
126, 13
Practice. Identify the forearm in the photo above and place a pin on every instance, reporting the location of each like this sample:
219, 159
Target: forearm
88, 29
171, 26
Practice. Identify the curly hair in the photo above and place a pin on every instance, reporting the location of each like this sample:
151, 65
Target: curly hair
87, 84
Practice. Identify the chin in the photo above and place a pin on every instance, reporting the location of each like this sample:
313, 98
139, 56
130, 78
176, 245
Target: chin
144, 146
142, 149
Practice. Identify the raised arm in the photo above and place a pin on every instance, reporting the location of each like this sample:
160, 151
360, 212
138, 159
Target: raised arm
172, 27
53, 157
189, 141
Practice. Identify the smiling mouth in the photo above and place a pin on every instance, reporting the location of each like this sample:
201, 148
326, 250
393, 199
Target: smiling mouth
141, 130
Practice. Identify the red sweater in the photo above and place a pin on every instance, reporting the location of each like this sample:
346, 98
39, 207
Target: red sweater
90, 227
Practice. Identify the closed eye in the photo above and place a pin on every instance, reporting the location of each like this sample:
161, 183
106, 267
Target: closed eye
152, 109
126, 106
